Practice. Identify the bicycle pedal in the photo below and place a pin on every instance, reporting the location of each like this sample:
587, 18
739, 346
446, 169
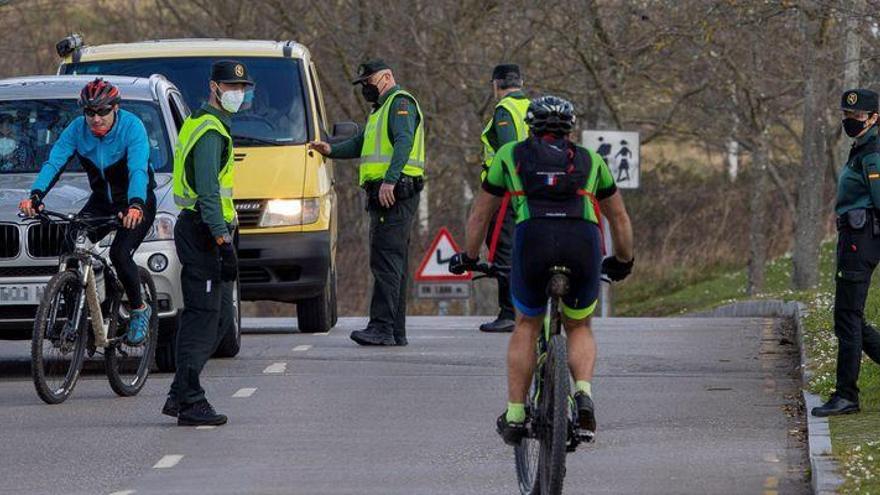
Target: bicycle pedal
585, 436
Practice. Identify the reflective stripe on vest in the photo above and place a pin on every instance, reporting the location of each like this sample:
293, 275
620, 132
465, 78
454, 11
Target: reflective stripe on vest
517, 107
185, 197
377, 149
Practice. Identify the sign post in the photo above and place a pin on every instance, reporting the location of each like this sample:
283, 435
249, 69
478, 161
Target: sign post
621, 152
433, 279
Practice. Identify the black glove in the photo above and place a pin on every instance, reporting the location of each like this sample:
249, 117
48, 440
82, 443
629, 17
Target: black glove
615, 269
228, 262
461, 262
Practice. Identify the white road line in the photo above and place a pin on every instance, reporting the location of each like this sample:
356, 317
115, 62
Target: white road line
301, 348
205, 427
275, 368
169, 461
124, 492
245, 392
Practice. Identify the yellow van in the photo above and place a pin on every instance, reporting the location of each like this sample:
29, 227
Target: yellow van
283, 192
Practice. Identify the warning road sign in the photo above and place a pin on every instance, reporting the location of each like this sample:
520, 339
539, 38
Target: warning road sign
435, 265
620, 150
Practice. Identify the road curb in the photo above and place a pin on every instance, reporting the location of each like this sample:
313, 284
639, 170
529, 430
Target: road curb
824, 479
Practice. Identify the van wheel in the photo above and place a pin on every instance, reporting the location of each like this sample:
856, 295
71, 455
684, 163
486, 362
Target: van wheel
318, 314
166, 351
231, 343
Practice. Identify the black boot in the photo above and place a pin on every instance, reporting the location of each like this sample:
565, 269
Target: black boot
511, 433
371, 336
171, 407
836, 406
500, 325
200, 414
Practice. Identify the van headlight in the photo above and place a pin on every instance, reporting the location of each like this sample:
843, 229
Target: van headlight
162, 229
286, 212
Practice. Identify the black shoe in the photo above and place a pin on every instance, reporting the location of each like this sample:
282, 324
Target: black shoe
200, 414
511, 433
500, 325
400, 341
372, 337
836, 406
171, 407
586, 414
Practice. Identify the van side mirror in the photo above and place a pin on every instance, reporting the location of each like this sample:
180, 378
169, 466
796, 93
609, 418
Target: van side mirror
343, 131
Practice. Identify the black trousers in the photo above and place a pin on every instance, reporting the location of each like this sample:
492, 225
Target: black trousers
208, 313
858, 252
503, 257
390, 230
125, 242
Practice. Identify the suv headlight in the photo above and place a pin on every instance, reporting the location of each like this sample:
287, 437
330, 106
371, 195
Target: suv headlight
162, 229
286, 212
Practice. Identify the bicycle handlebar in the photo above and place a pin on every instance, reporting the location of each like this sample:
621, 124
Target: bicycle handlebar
493, 271
87, 221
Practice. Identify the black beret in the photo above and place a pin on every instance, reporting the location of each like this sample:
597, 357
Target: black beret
859, 99
503, 70
367, 69
230, 72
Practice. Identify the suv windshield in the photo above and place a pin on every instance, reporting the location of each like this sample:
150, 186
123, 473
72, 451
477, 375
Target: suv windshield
278, 113
28, 128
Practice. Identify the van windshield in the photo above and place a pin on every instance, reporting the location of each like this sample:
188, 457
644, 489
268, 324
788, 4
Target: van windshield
29, 128
278, 113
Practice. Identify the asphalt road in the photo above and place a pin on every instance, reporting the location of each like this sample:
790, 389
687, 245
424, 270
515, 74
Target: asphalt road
684, 406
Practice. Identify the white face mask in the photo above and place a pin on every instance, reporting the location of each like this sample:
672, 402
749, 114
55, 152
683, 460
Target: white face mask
7, 146
231, 100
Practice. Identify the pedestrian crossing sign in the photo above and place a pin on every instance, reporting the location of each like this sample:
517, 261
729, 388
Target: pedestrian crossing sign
620, 150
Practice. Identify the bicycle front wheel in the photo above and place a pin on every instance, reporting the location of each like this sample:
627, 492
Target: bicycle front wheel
554, 436
128, 366
58, 343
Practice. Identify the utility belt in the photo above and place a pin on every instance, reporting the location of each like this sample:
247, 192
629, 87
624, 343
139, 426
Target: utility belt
858, 219
405, 188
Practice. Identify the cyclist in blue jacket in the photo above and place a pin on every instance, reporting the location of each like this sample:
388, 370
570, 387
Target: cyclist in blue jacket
113, 148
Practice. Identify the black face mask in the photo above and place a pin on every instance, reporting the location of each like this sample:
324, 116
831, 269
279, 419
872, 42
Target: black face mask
853, 127
370, 92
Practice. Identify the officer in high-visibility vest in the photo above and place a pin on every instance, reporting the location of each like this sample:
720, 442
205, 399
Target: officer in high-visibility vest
507, 124
203, 235
391, 149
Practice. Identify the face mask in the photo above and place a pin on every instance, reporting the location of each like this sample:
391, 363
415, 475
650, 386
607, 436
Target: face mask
853, 127
370, 92
231, 100
7, 146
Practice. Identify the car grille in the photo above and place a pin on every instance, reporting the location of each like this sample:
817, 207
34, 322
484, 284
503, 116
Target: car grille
28, 271
9, 241
45, 240
249, 212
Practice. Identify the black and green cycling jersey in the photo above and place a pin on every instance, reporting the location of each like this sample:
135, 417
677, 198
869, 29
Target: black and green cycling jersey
506, 176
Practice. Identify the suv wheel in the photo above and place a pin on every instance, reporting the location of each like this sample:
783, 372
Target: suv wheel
318, 314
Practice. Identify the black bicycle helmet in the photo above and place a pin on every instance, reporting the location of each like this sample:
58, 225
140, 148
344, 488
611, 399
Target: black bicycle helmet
99, 93
550, 114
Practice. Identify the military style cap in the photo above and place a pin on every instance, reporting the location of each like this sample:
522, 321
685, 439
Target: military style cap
504, 70
367, 69
859, 99
230, 72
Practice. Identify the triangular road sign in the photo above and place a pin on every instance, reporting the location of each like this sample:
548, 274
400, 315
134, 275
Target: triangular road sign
435, 265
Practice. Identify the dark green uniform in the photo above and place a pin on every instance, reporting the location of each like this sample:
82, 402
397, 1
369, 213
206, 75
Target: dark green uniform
390, 227
208, 313
858, 252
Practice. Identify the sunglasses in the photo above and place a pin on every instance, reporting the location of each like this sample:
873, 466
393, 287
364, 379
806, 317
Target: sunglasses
101, 112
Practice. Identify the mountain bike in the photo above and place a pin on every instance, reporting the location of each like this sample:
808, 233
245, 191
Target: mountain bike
84, 311
551, 412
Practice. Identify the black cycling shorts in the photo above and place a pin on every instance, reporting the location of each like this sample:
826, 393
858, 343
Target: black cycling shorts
539, 245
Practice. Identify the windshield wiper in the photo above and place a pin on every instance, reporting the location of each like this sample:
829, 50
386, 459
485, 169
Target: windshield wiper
256, 140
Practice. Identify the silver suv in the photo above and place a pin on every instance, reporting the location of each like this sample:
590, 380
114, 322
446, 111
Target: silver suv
33, 113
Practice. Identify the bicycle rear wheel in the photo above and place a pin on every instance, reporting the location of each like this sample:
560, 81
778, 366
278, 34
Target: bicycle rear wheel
554, 437
128, 366
58, 342
527, 453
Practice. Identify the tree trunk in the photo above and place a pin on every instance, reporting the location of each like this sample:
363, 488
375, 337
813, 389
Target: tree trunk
851, 66
758, 217
808, 221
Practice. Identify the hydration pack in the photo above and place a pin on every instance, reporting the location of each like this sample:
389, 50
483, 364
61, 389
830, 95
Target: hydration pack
553, 178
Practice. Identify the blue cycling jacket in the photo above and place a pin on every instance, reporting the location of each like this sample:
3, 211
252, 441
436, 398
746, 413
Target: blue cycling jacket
116, 164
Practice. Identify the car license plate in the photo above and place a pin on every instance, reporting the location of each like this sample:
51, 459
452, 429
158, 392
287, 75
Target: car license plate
21, 294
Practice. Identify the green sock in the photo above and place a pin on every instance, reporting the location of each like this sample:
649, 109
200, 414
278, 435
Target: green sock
516, 413
583, 386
